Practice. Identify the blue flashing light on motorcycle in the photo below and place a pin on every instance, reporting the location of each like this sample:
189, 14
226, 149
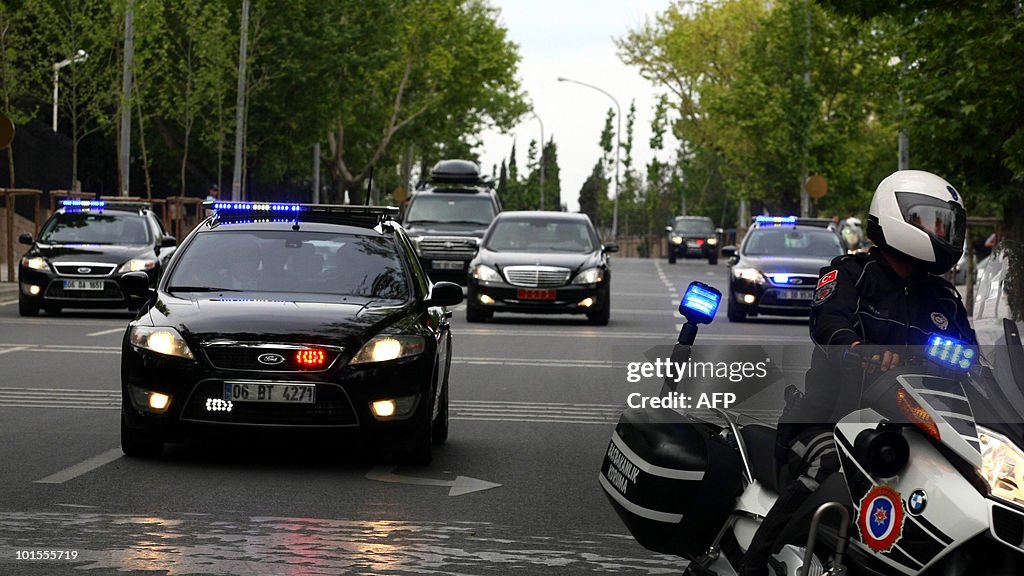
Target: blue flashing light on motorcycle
699, 305
950, 352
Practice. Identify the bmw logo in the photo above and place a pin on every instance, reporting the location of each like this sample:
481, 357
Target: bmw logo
270, 359
917, 502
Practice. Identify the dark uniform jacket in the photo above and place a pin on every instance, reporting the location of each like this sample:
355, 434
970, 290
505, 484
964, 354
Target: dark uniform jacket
861, 298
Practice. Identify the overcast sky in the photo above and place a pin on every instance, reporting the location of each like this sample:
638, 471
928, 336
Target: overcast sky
573, 38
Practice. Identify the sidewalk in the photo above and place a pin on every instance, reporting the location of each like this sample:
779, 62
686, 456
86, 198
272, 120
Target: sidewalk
8, 291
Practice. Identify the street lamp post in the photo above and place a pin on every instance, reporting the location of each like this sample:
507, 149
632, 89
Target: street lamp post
618, 130
79, 56
541, 122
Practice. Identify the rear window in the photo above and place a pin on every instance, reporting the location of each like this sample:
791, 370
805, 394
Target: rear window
289, 261
95, 228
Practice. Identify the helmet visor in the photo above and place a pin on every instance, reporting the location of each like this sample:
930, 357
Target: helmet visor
945, 221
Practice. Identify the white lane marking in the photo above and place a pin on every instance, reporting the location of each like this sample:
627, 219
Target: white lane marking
102, 332
457, 487
83, 467
57, 321
14, 349
8, 302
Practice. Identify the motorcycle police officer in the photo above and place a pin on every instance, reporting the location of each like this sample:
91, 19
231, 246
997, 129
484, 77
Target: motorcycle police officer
885, 300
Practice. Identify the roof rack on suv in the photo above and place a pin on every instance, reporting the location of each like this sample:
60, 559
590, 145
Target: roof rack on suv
363, 216
455, 176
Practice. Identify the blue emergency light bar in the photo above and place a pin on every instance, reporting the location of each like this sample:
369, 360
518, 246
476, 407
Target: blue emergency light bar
950, 352
238, 212
700, 302
775, 220
83, 204
780, 278
254, 207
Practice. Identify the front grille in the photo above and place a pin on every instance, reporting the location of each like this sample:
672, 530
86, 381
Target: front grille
84, 269
111, 291
536, 276
246, 356
460, 248
332, 408
795, 280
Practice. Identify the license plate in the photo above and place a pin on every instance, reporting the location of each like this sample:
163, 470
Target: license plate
83, 285
692, 245
280, 393
796, 294
447, 265
536, 294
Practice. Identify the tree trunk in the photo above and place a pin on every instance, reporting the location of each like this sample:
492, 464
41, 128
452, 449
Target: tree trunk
142, 144
10, 166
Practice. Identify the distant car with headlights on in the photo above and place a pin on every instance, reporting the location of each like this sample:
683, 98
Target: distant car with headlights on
291, 317
540, 263
692, 237
84, 250
776, 268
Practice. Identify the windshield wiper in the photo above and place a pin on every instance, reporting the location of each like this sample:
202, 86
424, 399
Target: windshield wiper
200, 289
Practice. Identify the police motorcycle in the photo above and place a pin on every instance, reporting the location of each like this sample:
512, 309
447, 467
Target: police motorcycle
931, 480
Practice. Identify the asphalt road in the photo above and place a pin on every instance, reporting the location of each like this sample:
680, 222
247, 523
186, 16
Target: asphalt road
534, 401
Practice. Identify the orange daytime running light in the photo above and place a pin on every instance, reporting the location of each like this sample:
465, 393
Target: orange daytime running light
917, 415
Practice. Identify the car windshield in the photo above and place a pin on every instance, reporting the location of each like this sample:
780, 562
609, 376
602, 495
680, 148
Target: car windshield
540, 236
790, 242
95, 228
289, 261
442, 208
695, 226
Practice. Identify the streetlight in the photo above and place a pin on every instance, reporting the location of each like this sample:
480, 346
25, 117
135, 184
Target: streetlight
79, 56
541, 122
618, 129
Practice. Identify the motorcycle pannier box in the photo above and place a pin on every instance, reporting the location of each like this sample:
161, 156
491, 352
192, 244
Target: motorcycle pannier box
671, 480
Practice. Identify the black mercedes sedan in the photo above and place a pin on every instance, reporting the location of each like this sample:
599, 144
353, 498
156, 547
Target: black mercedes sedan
540, 263
290, 317
776, 268
84, 250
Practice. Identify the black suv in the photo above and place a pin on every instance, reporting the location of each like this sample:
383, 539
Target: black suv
692, 237
447, 216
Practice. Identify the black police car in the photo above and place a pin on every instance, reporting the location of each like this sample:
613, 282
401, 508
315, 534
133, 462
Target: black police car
540, 262
290, 317
777, 266
84, 250
692, 237
447, 216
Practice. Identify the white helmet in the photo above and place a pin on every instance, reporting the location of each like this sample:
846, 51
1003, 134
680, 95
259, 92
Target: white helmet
920, 216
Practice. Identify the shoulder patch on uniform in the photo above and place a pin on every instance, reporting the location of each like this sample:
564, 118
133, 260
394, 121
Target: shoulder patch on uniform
828, 278
823, 293
940, 320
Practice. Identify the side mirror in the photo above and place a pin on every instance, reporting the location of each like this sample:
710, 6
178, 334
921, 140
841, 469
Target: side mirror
729, 251
668, 229
445, 294
168, 241
136, 285
611, 248
26, 239
719, 231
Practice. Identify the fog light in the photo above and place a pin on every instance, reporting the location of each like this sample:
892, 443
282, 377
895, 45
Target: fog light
749, 298
586, 303
159, 402
33, 290
394, 408
485, 299
149, 401
384, 408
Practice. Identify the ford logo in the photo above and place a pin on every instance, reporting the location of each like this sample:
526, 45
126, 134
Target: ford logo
270, 359
796, 281
84, 270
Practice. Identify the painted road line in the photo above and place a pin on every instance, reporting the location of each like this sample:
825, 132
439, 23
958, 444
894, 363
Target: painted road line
111, 331
9, 302
14, 349
59, 322
83, 467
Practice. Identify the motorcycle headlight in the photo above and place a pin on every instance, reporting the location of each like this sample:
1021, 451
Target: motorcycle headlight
749, 274
137, 265
161, 340
712, 241
589, 276
389, 347
486, 273
36, 263
1002, 466
677, 239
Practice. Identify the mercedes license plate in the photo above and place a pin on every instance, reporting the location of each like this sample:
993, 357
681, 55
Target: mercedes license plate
536, 294
266, 392
83, 285
796, 294
447, 265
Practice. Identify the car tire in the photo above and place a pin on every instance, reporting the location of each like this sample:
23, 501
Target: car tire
734, 314
475, 314
599, 317
713, 259
26, 309
439, 435
135, 447
671, 256
421, 452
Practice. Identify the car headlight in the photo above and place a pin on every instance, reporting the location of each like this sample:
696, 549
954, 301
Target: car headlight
36, 263
677, 239
712, 241
389, 347
749, 274
137, 265
161, 340
416, 244
589, 276
1002, 466
486, 273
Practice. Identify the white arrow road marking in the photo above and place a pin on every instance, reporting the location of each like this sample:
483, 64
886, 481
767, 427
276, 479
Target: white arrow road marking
83, 467
459, 486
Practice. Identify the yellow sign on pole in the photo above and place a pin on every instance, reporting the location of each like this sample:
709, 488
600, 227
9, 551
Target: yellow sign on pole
6, 132
816, 187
